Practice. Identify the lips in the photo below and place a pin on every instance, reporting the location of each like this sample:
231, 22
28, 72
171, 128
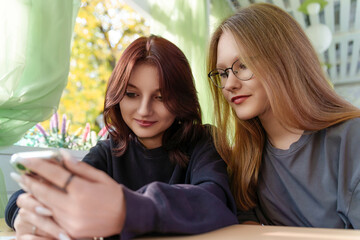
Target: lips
239, 99
144, 123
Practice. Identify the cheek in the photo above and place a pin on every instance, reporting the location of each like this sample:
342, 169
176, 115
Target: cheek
226, 95
166, 114
126, 105
125, 108
262, 94
257, 88
171, 118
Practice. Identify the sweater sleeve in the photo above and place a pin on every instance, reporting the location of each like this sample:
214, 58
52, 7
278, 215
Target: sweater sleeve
349, 173
244, 216
354, 207
348, 202
181, 209
12, 209
203, 204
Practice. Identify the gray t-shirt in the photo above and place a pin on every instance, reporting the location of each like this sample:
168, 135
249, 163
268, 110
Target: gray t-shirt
315, 183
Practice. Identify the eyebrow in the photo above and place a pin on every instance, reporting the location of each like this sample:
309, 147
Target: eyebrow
133, 86
130, 85
234, 60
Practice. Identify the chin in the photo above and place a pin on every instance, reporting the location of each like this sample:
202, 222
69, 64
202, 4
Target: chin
144, 135
245, 117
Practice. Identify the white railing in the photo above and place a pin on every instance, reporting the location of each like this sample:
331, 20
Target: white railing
343, 19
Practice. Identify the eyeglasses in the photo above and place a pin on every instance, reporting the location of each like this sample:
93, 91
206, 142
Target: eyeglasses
219, 76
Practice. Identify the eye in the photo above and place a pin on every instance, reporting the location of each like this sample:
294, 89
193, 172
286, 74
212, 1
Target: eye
159, 98
242, 66
223, 74
131, 94
214, 74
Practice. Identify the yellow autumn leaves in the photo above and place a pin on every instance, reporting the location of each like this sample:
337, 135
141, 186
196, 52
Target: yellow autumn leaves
103, 29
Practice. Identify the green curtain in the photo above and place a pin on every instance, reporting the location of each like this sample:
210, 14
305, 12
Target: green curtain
3, 195
186, 23
219, 10
34, 61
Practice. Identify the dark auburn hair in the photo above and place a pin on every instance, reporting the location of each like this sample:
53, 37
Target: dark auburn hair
177, 89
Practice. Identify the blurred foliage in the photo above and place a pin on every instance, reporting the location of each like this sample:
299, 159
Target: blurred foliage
104, 28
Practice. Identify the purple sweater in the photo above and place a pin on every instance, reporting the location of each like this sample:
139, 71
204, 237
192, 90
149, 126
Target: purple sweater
161, 197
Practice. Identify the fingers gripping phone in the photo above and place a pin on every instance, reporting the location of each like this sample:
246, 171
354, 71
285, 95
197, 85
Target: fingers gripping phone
48, 155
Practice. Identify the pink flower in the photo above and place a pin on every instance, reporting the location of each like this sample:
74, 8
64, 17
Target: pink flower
86, 132
102, 132
42, 130
63, 127
56, 118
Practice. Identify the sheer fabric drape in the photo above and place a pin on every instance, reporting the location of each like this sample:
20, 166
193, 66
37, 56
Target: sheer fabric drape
34, 61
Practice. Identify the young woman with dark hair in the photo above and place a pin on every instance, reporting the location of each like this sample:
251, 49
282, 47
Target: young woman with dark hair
178, 95
158, 173
293, 148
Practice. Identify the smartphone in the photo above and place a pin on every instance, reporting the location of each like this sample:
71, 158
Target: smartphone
48, 155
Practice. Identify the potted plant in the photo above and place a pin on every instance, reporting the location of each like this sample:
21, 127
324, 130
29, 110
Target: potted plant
37, 139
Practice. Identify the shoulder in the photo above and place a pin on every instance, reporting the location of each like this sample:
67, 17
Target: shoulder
348, 124
101, 147
348, 151
343, 143
346, 130
342, 139
99, 154
203, 149
203, 137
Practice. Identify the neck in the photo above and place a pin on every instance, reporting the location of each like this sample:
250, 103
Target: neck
150, 143
279, 136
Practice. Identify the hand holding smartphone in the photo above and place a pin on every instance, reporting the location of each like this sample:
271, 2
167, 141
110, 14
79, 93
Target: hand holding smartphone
51, 163
48, 155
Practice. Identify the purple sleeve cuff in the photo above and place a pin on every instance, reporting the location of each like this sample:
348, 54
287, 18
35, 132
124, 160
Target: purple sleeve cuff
177, 209
140, 214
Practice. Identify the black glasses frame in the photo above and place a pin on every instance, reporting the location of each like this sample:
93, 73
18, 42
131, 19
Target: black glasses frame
226, 71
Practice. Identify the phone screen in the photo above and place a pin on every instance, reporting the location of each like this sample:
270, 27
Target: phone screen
48, 155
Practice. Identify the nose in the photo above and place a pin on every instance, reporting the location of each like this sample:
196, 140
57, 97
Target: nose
232, 82
145, 107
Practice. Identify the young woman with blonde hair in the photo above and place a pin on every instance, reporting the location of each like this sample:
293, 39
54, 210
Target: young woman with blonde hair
290, 140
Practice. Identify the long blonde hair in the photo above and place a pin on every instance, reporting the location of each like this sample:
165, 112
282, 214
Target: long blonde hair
274, 46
